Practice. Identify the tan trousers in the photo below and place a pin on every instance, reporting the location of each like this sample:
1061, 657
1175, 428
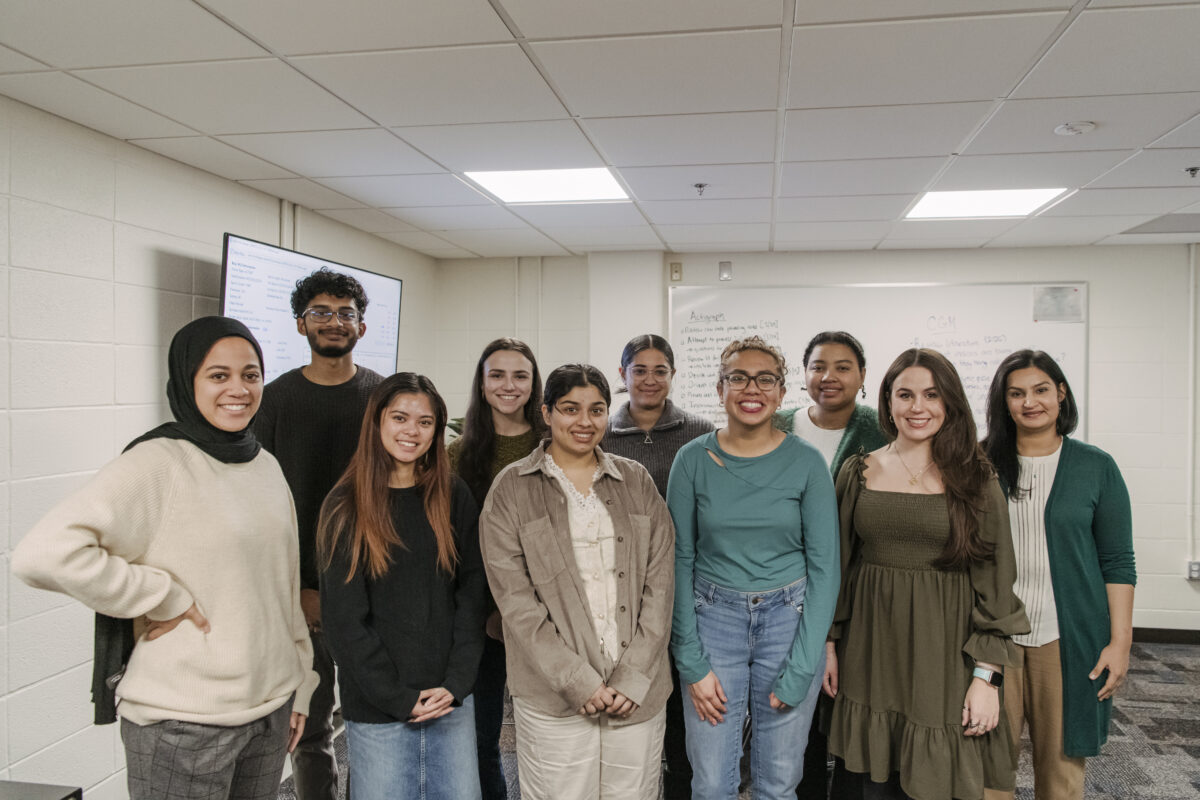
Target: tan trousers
587, 759
1033, 695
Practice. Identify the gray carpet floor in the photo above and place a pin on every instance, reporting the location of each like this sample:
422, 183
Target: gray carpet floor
1153, 750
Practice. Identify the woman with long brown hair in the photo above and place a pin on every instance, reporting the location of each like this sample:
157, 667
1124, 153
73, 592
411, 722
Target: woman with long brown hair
926, 610
402, 601
503, 424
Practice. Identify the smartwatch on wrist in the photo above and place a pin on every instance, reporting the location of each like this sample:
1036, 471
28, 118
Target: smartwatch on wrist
993, 677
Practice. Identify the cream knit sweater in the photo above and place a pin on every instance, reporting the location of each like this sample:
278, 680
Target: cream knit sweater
161, 527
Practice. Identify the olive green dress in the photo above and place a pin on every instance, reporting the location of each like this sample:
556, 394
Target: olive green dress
908, 636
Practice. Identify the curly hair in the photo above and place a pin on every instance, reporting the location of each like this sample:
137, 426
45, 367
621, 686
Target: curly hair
326, 281
752, 343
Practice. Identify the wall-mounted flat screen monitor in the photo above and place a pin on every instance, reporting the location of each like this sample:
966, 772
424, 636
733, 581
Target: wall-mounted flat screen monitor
257, 280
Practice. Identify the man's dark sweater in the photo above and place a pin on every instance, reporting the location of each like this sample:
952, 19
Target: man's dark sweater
413, 628
312, 430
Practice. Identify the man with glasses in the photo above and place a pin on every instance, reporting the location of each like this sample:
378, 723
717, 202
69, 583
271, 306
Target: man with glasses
309, 420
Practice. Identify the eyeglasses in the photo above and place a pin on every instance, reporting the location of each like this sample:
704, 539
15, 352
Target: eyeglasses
324, 315
659, 373
740, 380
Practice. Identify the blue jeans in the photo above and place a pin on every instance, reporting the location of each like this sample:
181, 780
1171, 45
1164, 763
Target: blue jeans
746, 637
424, 761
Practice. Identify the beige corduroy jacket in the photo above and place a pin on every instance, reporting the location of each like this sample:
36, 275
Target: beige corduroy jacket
555, 660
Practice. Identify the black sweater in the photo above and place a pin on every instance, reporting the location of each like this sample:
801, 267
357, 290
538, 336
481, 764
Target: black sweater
312, 430
416, 627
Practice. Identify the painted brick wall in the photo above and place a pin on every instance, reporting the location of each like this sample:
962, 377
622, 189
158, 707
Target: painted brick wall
106, 250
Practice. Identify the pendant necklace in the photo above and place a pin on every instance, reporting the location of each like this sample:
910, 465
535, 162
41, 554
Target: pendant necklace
913, 478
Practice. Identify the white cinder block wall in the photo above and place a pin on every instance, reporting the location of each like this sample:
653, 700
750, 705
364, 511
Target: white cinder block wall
106, 250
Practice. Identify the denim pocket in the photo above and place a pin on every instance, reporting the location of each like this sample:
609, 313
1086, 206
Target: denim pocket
701, 600
798, 605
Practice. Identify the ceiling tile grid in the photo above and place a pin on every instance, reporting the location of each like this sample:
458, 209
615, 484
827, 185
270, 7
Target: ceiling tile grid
818, 131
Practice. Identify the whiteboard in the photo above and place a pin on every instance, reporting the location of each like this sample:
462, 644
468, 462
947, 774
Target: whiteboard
974, 325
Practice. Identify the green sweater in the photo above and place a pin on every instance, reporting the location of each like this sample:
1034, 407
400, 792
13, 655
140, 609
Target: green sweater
755, 524
862, 434
1089, 537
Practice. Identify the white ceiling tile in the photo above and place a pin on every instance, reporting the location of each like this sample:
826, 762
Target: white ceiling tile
551, 144
394, 191
1115, 202
12, 61
870, 176
213, 156
835, 209
826, 244
862, 10
499, 243
1028, 170
880, 132
1125, 121
1187, 135
705, 210
891, 63
494, 83
932, 244
259, 96
541, 19
686, 139
1121, 51
629, 237
927, 229
96, 33
75, 100
695, 234
1154, 168
420, 241
368, 219
1066, 230
679, 183
565, 215
755, 246
448, 252
1152, 238
448, 218
831, 231
1192, 209
691, 73
305, 193
336, 153
293, 27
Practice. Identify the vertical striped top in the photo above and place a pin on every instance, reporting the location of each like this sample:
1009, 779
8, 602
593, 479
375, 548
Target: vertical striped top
1027, 515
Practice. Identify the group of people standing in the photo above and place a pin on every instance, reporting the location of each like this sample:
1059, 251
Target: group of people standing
878, 588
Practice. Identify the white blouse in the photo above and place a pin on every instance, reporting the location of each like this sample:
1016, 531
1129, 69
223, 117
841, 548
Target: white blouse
1027, 515
595, 556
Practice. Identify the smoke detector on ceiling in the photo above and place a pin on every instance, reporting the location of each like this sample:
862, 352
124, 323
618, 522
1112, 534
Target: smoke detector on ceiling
1075, 128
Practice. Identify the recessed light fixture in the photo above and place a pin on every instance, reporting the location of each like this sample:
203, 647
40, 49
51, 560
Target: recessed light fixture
551, 185
986, 203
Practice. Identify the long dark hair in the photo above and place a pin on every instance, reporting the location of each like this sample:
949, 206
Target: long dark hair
1001, 441
956, 452
357, 513
479, 431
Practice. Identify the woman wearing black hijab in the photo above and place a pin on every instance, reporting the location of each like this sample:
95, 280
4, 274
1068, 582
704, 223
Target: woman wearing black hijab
191, 535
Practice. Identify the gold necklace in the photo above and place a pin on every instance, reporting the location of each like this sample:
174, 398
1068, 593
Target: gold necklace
912, 477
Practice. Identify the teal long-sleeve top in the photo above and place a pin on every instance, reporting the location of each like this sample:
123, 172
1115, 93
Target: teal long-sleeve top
755, 524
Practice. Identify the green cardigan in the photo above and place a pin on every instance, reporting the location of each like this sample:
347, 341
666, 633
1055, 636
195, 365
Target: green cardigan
862, 433
1089, 538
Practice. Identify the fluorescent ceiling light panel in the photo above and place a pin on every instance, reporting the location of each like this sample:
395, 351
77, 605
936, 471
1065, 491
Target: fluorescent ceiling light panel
976, 204
551, 185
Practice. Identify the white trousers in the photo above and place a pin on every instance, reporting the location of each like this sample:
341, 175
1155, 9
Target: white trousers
587, 759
